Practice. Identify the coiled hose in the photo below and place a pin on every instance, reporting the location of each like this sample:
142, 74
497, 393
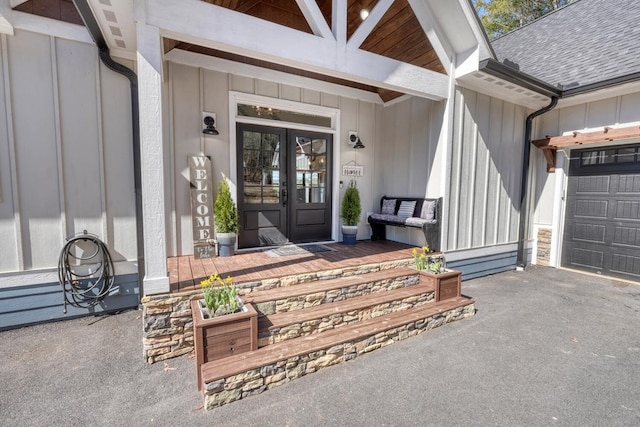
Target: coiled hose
85, 271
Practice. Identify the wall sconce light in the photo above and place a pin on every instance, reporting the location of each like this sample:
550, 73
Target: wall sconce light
209, 121
355, 140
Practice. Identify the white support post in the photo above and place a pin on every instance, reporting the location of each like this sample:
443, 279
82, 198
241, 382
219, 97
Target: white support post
149, 57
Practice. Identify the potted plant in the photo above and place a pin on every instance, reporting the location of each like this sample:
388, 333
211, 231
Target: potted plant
222, 324
226, 220
433, 268
350, 214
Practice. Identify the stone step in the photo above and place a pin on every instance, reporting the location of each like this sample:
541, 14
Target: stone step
237, 377
308, 294
279, 327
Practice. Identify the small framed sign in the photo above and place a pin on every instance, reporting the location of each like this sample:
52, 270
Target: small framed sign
352, 170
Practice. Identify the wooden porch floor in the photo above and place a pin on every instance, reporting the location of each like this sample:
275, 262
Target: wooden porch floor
185, 272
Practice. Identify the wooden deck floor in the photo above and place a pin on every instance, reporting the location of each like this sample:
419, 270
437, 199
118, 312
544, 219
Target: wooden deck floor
185, 272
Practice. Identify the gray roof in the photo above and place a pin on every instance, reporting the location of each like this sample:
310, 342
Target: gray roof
585, 42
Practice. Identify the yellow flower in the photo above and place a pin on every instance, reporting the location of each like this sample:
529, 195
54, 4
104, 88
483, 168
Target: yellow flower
421, 256
229, 280
425, 248
414, 252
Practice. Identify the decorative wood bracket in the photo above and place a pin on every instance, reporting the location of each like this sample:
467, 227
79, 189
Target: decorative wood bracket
550, 144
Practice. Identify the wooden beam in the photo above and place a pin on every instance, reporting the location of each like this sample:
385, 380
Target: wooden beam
550, 157
577, 138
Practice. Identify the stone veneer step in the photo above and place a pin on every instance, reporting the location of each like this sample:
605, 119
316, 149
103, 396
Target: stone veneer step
279, 327
308, 294
234, 378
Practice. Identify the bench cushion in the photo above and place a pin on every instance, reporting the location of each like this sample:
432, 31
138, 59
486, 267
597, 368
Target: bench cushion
406, 208
388, 207
418, 222
428, 210
387, 218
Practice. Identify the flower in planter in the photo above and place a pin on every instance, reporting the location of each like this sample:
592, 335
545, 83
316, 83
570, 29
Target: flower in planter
432, 264
220, 296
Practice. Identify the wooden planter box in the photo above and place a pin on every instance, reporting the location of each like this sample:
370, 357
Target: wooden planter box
223, 336
447, 284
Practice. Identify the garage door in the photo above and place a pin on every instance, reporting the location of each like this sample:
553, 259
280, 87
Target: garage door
602, 219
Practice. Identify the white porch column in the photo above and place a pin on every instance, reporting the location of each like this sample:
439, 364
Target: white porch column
149, 57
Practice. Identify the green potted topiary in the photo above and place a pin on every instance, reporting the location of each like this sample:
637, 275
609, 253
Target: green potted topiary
350, 213
226, 220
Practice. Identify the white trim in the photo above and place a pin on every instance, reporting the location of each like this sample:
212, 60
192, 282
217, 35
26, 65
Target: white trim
365, 28
50, 27
463, 254
55, 83
559, 197
315, 19
226, 66
50, 275
11, 142
430, 27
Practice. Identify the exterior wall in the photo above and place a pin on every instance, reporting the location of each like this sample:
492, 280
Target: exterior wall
65, 166
485, 172
192, 90
405, 160
590, 115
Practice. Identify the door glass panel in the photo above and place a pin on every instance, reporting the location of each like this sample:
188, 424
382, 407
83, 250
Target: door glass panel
261, 167
311, 159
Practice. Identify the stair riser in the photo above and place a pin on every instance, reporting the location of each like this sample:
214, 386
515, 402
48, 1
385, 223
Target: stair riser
254, 381
314, 299
341, 319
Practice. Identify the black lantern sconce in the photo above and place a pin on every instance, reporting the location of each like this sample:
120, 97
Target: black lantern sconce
355, 141
209, 121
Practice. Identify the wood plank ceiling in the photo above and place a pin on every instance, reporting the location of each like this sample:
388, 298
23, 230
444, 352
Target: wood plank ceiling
398, 35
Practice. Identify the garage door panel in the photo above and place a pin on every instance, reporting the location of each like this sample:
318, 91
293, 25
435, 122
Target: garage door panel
589, 232
592, 184
627, 236
628, 209
626, 264
629, 184
591, 208
602, 220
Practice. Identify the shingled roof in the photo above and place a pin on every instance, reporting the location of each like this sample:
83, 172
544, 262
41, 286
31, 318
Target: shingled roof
585, 42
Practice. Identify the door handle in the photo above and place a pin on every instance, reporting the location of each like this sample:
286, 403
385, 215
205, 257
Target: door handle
284, 194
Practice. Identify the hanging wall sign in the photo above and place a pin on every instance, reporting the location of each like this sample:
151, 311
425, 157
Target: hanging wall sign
352, 170
201, 206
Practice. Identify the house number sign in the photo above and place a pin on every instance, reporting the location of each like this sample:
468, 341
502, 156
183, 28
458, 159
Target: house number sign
352, 170
201, 206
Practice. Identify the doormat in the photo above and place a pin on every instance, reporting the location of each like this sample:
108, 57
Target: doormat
290, 250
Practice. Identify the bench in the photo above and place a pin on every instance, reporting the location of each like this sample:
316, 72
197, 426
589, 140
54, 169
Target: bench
395, 213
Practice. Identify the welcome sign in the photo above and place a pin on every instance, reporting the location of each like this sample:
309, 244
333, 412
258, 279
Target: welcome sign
201, 206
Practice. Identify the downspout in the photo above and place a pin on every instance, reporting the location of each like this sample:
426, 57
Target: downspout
521, 262
103, 52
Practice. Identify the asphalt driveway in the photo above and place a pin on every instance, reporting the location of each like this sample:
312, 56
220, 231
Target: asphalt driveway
546, 347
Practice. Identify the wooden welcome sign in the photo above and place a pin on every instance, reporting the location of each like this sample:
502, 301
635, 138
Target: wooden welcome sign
201, 206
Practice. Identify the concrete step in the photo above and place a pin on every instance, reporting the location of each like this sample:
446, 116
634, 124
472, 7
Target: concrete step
237, 377
279, 327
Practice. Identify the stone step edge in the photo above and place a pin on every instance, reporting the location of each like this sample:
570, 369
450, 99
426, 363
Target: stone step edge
281, 320
223, 368
316, 286
246, 288
269, 375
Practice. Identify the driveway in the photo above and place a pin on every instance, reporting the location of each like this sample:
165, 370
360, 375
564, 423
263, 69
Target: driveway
546, 347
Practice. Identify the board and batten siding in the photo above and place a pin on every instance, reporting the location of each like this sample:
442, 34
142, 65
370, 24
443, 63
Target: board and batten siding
193, 90
66, 165
485, 172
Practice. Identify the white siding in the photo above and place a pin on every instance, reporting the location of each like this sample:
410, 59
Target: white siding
66, 157
193, 90
484, 183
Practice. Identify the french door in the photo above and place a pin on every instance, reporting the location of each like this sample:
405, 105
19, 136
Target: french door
284, 187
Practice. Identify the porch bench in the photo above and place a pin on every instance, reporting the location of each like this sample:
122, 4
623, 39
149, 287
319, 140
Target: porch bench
425, 215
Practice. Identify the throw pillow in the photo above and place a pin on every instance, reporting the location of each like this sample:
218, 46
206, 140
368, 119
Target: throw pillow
428, 210
406, 209
388, 207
